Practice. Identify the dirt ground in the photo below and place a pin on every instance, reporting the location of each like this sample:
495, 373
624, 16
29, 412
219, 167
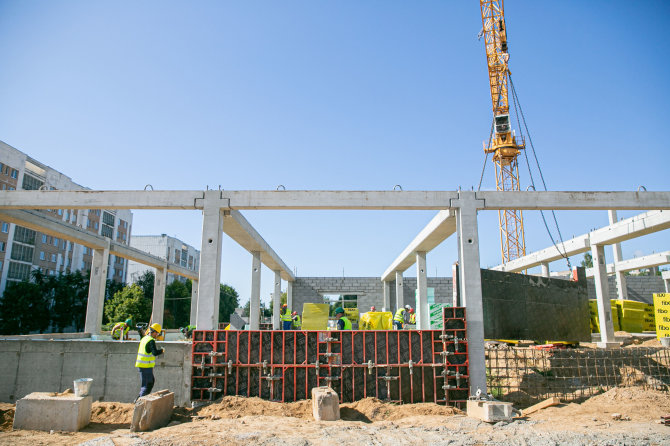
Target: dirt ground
241, 421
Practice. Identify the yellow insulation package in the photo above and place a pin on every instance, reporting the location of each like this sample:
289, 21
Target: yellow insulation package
315, 316
376, 320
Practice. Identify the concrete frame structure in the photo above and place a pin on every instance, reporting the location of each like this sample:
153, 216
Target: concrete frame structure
466, 204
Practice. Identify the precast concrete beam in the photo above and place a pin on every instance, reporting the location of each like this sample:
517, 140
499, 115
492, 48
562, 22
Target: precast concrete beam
289, 297
158, 306
573, 200
95, 199
276, 302
435, 232
255, 298
239, 229
560, 250
622, 289
649, 261
96, 291
629, 228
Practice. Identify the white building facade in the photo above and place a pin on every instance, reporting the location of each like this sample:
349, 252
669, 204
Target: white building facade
168, 248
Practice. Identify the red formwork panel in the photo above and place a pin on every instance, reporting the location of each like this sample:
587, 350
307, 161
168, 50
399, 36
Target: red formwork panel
407, 366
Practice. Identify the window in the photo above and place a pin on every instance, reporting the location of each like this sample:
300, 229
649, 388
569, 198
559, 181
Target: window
12, 188
18, 271
124, 236
15, 173
55, 241
0, 265
23, 253
6, 170
108, 218
67, 215
3, 246
53, 258
107, 231
83, 265
31, 183
2, 167
42, 256
24, 235
95, 225
5, 227
177, 255
44, 238
60, 212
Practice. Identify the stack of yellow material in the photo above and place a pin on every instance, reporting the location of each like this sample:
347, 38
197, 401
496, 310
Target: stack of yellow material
649, 324
662, 314
376, 320
315, 316
631, 315
593, 311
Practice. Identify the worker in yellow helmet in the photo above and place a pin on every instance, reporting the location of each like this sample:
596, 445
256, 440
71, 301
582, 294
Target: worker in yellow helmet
146, 359
121, 329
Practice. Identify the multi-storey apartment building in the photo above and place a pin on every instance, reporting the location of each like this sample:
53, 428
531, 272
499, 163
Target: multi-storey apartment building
23, 250
166, 247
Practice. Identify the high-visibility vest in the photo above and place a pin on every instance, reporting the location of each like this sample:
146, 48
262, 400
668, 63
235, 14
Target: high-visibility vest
400, 316
145, 360
120, 330
347, 323
286, 317
296, 321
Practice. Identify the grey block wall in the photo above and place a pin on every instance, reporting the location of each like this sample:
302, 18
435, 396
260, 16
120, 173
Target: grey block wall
28, 366
370, 290
640, 288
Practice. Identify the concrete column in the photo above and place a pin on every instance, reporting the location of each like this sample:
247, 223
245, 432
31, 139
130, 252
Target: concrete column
387, 297
622, 288
276, 302
289, 297
666, 280
194, 302
96, 290
399, 292
210, 263
603, 297
545, 269
470, 280
421, 306
255, 298
158, 308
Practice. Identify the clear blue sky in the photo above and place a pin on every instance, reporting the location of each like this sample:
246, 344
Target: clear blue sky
334, 95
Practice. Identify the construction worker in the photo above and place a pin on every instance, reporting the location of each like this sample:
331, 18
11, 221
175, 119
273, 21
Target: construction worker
187, 331
412, 316
373, 309
121, 329
146, 359
343, 322
296, 320
285, 317
401, 317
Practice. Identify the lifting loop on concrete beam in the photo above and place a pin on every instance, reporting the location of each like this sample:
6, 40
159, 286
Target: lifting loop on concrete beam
147, 186
397, 187
641, 187
282, 187
530, 187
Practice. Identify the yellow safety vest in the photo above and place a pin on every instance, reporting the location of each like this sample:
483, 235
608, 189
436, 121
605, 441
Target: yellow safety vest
399, 316
347, 323
145, 360
117, 332
286, 316
296, 321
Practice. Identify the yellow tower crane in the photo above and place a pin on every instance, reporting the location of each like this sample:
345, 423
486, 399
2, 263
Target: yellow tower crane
503, 143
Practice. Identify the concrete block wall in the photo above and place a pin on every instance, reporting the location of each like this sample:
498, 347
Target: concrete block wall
640, 288
28, 366
370, 290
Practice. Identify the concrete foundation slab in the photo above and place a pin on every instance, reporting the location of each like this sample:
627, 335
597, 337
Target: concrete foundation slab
325, 404
490, 411
152, 411
45, 411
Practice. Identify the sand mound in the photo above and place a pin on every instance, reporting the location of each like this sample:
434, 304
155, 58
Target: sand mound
112, 413
6, 416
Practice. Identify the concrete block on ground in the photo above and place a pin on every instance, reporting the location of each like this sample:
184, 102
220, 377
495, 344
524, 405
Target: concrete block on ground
490, 411
325, 404
45, 411
152, 411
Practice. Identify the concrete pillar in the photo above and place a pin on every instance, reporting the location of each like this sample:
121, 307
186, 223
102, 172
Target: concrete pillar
421, 305
276, 302
603, 297
289, 297
399, 294
210, 263
622, 289
666, 280
387, 297
96, 290
545, 269
194, 302
255, 298
470, 280
158, 308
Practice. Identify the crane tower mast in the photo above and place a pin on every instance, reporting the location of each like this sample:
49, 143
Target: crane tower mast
503, 144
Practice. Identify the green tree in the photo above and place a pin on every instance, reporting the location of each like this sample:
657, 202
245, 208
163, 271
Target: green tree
177, 304
128, 303
588, 260
228, 301
23, 309
146, 282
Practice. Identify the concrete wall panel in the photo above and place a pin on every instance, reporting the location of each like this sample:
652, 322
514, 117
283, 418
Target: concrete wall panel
9, 367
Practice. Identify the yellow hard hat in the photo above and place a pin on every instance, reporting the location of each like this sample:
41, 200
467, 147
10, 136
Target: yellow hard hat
156, 327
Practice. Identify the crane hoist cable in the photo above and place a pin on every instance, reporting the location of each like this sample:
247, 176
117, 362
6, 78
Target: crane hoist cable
519, 111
